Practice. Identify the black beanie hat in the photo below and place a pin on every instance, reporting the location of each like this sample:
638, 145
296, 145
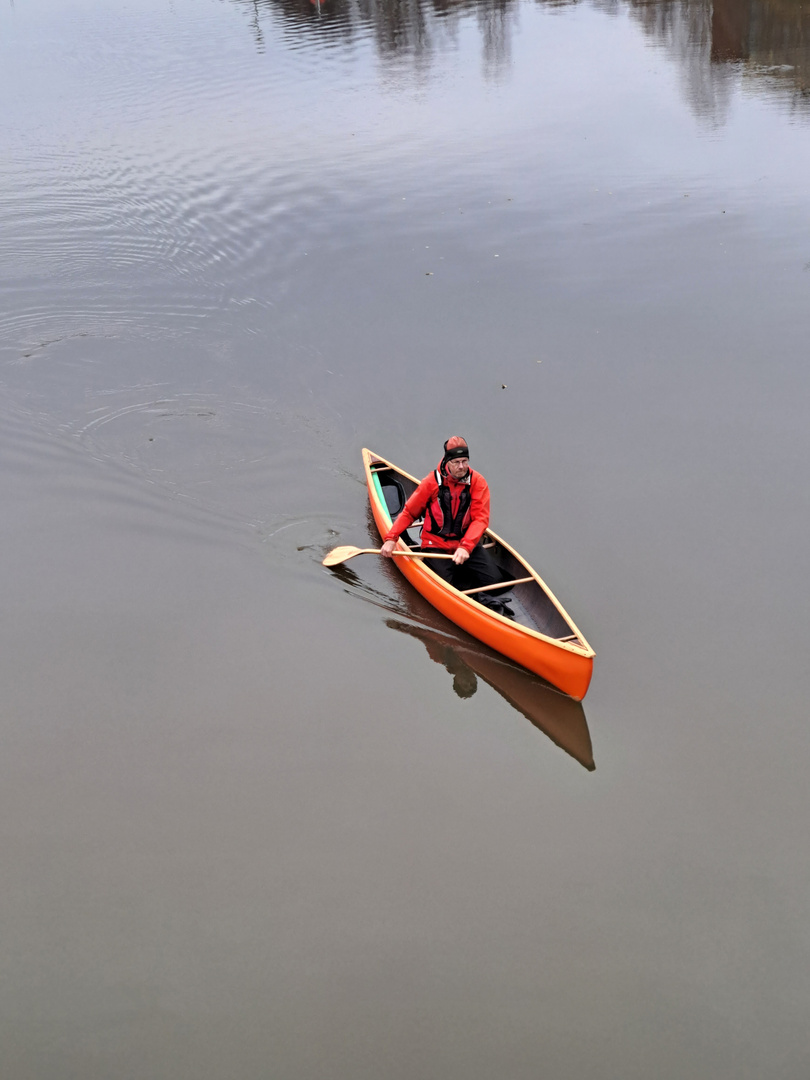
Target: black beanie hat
455, 447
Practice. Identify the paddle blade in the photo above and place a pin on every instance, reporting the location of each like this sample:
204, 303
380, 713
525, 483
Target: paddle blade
339, 555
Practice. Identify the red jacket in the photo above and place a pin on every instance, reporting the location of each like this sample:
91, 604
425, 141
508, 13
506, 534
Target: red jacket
427, 500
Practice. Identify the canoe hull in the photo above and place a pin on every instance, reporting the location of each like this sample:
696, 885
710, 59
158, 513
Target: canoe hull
565, 666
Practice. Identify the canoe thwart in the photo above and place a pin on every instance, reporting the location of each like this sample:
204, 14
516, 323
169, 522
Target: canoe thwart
496, 585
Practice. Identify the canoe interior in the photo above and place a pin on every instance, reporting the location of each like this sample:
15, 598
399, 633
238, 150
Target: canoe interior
532, 606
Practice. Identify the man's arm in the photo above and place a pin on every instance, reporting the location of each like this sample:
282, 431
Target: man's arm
479, 513
413, 509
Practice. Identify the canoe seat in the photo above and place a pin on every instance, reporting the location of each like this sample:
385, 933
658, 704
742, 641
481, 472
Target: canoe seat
394, 495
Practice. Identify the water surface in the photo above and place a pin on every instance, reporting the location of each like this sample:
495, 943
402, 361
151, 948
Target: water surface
265, 820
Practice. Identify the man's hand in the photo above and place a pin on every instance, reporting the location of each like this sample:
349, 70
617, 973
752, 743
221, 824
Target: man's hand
461, 555
388, 548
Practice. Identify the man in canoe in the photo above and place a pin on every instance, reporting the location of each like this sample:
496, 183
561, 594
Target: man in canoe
455, 502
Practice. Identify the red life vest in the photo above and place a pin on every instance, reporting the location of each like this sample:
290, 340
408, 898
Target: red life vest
444, 522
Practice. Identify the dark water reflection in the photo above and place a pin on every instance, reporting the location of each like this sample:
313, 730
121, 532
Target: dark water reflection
415, 29
562, 719
766, 40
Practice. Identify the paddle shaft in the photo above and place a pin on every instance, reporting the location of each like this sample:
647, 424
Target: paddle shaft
413, 554
342, 554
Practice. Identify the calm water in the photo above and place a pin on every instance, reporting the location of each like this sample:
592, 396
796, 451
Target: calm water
263, 820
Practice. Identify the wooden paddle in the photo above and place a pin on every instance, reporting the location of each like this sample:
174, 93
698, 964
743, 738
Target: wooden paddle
340, 555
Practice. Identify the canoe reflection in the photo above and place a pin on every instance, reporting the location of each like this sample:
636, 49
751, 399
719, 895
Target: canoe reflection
559, 717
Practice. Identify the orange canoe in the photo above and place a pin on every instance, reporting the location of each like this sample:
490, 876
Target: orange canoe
541, 637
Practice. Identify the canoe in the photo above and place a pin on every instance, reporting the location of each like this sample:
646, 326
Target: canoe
541, 637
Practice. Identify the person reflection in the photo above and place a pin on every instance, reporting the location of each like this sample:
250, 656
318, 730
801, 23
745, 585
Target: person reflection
465, 682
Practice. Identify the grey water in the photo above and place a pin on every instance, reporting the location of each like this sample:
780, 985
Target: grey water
260, 819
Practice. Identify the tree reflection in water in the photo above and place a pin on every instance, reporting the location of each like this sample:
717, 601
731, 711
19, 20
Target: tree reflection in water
400, 28
768, 41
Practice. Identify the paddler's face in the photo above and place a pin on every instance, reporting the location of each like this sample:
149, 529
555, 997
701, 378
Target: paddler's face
458, 467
